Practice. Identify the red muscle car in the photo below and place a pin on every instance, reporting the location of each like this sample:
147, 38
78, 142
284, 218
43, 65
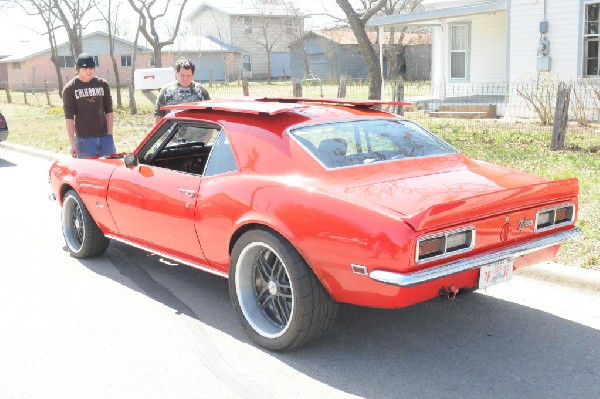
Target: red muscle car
306, 203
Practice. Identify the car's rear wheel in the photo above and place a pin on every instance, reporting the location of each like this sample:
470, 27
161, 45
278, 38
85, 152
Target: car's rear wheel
280, 302
82, 236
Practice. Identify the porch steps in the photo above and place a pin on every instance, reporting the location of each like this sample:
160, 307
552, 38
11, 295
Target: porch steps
471, 111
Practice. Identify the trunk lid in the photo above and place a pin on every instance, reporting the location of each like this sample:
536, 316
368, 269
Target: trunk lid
460, 191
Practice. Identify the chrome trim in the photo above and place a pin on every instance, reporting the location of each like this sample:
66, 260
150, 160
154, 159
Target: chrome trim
445, 233
554, 225
162, 254
473, 262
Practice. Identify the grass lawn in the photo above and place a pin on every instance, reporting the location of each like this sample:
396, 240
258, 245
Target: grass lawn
513, 146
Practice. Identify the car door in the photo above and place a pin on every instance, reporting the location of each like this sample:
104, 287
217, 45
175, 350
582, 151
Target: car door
153, 203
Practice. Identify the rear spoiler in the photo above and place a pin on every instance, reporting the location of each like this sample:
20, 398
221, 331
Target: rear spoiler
440, 215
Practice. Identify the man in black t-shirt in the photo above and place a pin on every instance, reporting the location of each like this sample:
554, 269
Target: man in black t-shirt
87, 104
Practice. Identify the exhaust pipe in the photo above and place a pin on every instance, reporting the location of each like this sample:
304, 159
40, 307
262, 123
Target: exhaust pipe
450, 292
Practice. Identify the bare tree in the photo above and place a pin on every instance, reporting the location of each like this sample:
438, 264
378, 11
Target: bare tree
269, 29
43, 9
394, 50
132, 103
110, 16
72, 14
357, 21
148, 20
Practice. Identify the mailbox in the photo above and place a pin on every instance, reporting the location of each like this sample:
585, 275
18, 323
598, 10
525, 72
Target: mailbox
153, 78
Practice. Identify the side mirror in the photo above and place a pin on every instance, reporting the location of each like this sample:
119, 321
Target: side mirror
131, 160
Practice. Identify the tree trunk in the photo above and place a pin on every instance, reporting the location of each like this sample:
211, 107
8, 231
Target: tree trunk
54, 59
157, 57
132, 103
342, 89
357, 24
561, 116
297, 90
400, 97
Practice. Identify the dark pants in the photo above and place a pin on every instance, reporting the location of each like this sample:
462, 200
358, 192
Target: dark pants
95, 146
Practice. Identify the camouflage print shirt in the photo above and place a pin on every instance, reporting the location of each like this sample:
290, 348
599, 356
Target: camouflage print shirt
173, 94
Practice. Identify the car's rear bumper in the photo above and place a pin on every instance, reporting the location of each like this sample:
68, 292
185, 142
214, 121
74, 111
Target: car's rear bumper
3, 135
473, 262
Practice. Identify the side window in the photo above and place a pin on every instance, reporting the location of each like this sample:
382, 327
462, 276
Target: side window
181, 146
221, 158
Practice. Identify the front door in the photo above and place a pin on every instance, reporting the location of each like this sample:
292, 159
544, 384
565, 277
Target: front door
154, 207
153, 203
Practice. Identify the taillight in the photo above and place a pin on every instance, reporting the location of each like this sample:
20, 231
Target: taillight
554, 217
444, 244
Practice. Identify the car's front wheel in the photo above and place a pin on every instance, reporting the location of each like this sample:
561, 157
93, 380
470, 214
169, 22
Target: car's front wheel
280, 302
82, 236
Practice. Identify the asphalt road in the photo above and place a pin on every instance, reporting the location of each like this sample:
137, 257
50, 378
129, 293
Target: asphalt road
129, 325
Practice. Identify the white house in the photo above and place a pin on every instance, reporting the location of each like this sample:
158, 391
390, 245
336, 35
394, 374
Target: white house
506, 42
251, 28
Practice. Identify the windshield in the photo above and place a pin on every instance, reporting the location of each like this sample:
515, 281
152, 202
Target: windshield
367, 141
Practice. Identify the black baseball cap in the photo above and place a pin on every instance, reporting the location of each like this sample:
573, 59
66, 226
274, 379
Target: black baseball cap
86, 61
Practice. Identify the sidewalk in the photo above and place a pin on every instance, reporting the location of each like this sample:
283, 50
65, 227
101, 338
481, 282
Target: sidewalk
552, 272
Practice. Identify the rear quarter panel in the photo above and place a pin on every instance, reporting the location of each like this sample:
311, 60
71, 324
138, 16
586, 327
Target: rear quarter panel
329, 233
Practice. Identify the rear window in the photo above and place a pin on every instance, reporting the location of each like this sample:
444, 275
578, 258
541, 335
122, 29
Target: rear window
362, 142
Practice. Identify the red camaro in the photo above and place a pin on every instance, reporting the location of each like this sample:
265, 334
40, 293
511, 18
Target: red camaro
305, 203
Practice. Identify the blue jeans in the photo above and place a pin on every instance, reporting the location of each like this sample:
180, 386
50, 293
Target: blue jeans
95, 146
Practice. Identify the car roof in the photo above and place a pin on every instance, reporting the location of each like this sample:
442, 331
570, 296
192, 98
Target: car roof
275, 105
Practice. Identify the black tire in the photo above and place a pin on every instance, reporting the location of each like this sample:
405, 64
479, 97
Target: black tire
280, 302
82, 235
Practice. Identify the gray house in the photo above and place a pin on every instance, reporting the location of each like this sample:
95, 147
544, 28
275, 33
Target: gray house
329, 54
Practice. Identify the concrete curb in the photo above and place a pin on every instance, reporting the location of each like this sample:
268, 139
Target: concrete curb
44, 154
552, 272
572, 276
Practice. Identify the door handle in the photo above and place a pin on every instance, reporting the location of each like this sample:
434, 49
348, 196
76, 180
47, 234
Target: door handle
189, 193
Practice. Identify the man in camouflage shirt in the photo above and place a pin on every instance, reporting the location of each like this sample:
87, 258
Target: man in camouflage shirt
183, 90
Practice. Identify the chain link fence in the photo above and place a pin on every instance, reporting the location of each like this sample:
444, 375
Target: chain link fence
456, 112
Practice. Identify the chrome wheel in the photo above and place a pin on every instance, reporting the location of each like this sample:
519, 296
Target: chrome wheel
82, 235
279, 301
264, 289
73, 226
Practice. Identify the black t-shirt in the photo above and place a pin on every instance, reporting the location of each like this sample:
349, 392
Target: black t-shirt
88, 103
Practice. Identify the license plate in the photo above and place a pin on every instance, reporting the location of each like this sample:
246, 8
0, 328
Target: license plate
495, 272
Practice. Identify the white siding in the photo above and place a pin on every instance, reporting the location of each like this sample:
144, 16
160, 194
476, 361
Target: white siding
212, 23
563, 33
488, 48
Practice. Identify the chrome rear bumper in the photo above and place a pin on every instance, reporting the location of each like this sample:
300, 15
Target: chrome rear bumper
473, 262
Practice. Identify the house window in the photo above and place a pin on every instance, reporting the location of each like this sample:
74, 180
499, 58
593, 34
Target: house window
126, 60
591, 40
289, 26
152, 61
16, 65
459, 51
247, 24
97, 59
66, 61
246, 65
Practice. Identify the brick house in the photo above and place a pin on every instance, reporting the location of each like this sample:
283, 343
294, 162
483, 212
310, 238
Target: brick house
31, 67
